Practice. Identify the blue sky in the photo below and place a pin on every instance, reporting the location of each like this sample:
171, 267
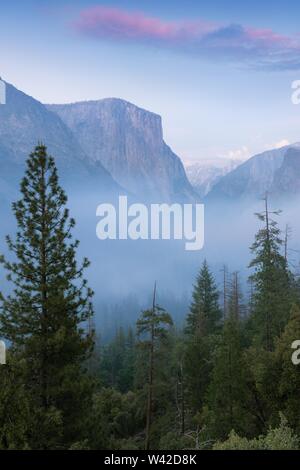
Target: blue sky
218, 72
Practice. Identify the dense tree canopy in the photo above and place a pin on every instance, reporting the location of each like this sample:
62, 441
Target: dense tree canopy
225, 380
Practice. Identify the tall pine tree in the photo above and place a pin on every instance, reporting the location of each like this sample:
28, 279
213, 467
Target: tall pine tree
205, 314
152, 330
228, 395
203, 323
44, 316
271, 281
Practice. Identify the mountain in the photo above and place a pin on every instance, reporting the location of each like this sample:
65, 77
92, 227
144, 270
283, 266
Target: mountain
270, 171
287, 178
204, 174
24, 122
128, 142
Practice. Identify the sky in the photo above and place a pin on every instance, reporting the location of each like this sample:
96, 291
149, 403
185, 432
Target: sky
218, 72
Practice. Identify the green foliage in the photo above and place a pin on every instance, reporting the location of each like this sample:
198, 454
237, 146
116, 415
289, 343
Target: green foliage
235, 442
288, 383
198, 366
117, 361
43, 317
114, 420
203, 325
271, 280
174, 441
230, 380
228, 392
280, 438
205, 314
152, 330
261, 384
15, 418
153, 322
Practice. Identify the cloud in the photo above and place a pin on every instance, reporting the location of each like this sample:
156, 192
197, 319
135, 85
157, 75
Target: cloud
281, 143
238, 154
277, 145
115, 23
233, 42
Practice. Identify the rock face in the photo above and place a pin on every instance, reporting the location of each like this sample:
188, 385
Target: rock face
128, 142
287, 177
267, 172
24, 122
205, 174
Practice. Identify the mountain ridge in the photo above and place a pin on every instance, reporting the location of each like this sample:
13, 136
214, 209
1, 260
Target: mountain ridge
25, 121
254, 177
128, 141
204, 174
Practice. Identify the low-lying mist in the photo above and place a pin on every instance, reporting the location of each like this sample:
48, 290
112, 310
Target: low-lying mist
123, 272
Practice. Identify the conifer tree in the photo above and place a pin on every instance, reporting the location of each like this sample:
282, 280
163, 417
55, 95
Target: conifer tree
271, 279
117, 361
44, 316
203, 323
205, 314
228, 390
153, 324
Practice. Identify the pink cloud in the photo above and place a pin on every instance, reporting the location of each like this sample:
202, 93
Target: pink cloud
103, 21
234, 42
269, 37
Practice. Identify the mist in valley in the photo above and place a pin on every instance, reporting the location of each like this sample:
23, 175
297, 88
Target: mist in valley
122, 272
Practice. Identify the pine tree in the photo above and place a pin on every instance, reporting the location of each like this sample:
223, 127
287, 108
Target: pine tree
271, 279
227, 394
205, 314
203, 324
43, 318
153, 324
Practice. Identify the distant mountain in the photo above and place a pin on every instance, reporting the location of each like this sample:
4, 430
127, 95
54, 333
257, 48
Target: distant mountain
274, 171
128, 142
204, 174
287, 178
24, 122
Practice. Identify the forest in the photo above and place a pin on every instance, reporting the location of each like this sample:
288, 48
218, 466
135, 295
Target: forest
224, 381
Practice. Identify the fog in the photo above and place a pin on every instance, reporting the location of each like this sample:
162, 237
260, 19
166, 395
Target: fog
123, 272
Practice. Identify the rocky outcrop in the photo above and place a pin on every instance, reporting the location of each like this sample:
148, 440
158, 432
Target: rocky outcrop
254, 178
24, 122
128, 142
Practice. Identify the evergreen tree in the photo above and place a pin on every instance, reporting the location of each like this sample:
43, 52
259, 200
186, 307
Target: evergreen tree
203, 324
205, 314
271, 279
151, 328
228, 391
43, 318
118, 360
